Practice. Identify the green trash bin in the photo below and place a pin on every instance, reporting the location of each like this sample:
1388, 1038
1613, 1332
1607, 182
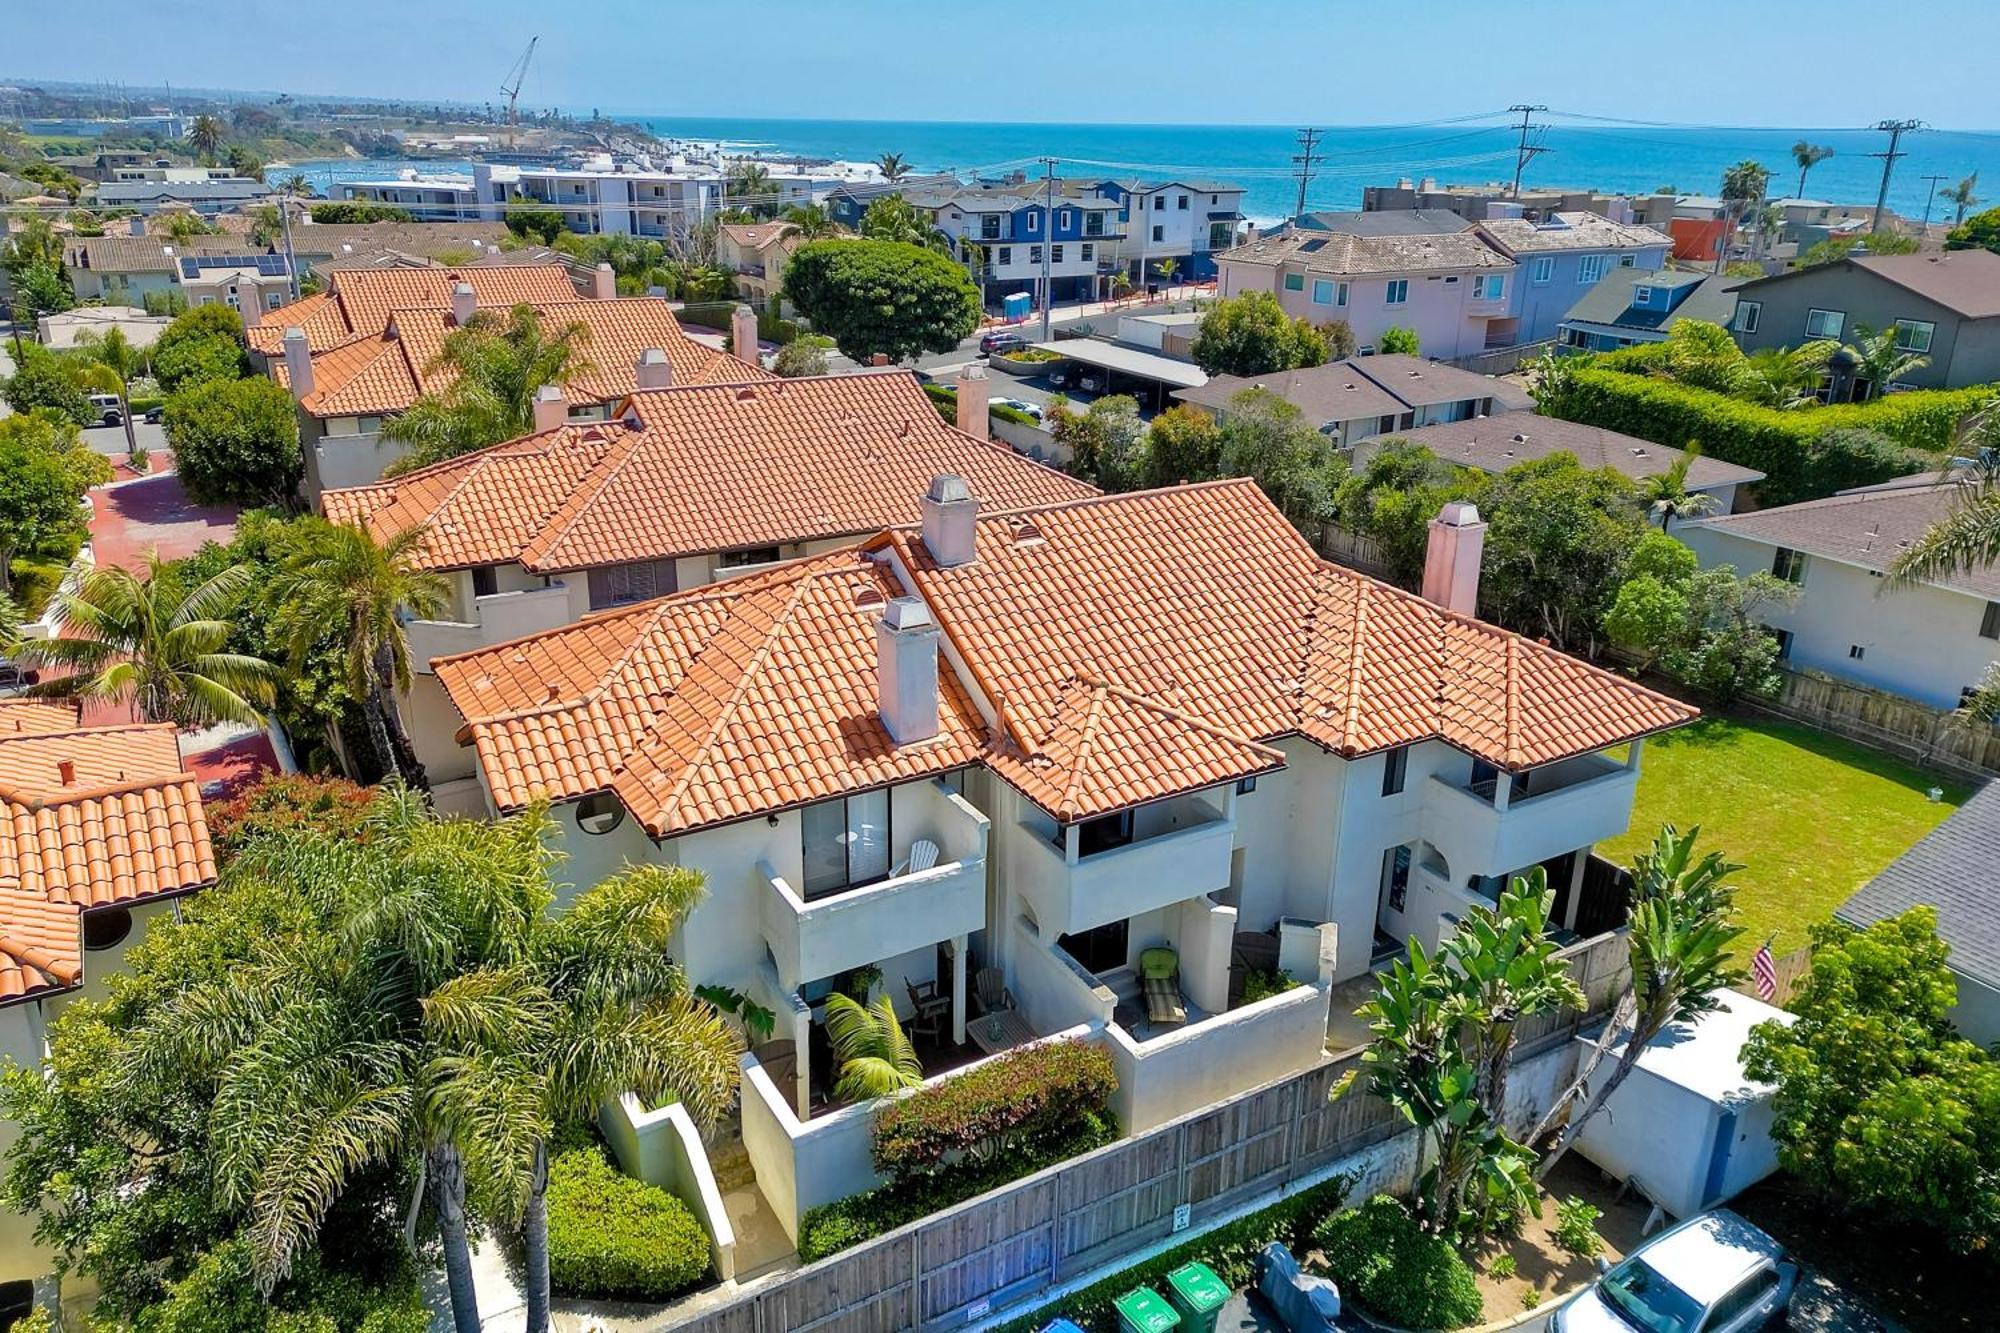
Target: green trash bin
1198, 1296
1141, 1310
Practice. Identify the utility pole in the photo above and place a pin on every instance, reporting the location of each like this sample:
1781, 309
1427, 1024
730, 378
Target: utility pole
1525, 152
1306, 159
1895, 129
291, 260
1930, 199
1048, 240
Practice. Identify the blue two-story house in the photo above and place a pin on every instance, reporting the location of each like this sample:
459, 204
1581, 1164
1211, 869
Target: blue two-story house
1015, 231
1558, 258
1187, 222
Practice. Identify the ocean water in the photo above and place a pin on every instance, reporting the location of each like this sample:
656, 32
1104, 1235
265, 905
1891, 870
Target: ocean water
1258, 157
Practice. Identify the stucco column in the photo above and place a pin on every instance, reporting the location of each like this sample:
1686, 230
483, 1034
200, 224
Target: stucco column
958, 945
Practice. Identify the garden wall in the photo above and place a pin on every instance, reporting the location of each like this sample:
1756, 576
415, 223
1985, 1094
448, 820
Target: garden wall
1020, 1245
664, 1148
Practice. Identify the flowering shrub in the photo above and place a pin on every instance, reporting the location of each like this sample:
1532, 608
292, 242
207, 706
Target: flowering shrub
1012, 1104
287, 801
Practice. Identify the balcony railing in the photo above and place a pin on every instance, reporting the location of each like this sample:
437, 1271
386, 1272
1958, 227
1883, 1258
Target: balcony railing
1564, 806
498, 617
858, 926
1181, 850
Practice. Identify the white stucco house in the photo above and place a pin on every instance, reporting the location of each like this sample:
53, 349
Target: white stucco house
1929, 642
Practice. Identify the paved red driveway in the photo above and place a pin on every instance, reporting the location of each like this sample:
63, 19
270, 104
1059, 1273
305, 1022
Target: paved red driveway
131, 518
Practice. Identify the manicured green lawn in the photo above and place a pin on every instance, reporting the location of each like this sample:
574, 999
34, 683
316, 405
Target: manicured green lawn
1810, 816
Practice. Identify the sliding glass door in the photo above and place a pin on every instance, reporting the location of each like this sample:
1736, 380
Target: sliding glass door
846, 842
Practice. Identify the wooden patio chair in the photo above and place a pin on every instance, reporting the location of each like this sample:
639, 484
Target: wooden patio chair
989, 991
932, 1009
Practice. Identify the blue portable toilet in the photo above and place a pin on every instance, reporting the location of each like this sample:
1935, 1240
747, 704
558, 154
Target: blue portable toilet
1017, 306
1059, 1326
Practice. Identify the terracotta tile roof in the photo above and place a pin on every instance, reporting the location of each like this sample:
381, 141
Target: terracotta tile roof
1119, 649
387, 371
359, 302
88, 818
38, 717
702, 469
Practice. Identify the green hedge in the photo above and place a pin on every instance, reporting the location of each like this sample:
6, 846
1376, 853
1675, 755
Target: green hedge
1231, 1250
613, 1237
1025, 1099
1788, 446
1396, 1270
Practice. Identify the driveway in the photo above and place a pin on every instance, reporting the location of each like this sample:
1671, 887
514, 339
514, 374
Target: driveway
110, 440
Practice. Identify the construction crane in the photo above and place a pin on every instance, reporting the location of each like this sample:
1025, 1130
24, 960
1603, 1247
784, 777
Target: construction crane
512, 87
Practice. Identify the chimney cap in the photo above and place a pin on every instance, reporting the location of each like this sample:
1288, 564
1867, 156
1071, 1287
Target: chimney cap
549, 393
1459, 513
293, 333
907, 613
653, 356
461, 288
947, 488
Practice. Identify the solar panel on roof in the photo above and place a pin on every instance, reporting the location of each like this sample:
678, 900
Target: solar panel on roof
1311, 246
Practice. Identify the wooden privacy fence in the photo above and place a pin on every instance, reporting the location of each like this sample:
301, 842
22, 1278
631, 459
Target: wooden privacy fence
955, 1267
1931, 737
1345, 547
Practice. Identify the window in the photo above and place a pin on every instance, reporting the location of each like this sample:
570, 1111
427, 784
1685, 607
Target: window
1055, 254
1063, 219
749, 555
1855, 652
1626, 261
1323, 292
1543, 269
989, 226
1490, 287
1087, 252
1034, 254
106, 928
1395, 768
1747, 315
1034, 222
1295, 282
1104, 834
485, 580
1825, 323
1399, 291
1396, 876
1181, 202
621, 585
1989, 624
599, 813
1006, 255
1220, 235
272, 300
1093, 224
1784, 638
1159, 233
1642, 296
1914, 335
1589, 269
1789, 565
1736, 1304
1244, 786
1159, 202
846, 842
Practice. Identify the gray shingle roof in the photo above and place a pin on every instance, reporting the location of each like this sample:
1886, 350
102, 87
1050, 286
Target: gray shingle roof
1957, 870
1360, 387
1493, 444
1610, 302
1388, 222
1570, 231
1966, 282
1345, 253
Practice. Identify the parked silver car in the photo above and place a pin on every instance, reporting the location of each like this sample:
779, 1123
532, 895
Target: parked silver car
1711, 1274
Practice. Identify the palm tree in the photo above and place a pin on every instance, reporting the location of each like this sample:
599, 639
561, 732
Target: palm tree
1962, 197
1808, 156
748, 185
498, 365
1665, 495
1167, 268
596, 1008
114, 363
812, 222
1784, 377
974, 256
1679, 946
296, 186
156, 646
340, 575
894, 218
1879, 360
869, 1048
893, 165
206, 135
1968, 537
1743, 189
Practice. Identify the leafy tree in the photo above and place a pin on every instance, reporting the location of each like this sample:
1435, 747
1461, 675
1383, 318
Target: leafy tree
1399, 342
1981, 231
1442, 1030
44, 472
359, 210
157, 645
32, 260
205, 135
1809, 155
182, 227
1557, 541
1961, 198
1340, 340
340, 575
534, 221
45, 382
114, 364
1182, 444
894, 218
1392, 499
236, 442
882, 297
205, 343
1678, 945
802, 356
1881, 1106
1703, 627
1267, 439
871, 1052
497, 366
1106, 440
1836, 248
1252, 335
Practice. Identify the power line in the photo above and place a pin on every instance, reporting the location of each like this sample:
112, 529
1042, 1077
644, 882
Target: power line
1305, 160
1526, 153
1895, 129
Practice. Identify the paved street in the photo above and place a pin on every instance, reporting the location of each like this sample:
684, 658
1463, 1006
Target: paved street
110, 440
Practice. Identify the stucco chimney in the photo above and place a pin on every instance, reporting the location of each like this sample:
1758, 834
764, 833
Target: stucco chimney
950, 514
743, 335
463, 304
1451, 560
551, 408
604, 283
298, 362
974, 392
138, 224
654, 371
906, 670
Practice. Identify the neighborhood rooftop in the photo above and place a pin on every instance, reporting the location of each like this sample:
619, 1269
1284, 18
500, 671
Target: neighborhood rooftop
1494, 444
1956, 869
1363, 386
359, 304
1966, 282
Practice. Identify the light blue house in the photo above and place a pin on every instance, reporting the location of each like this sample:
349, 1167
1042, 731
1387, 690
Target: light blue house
1559, 258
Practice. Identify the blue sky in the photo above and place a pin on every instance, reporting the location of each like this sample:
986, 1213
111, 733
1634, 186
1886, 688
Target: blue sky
1763, 62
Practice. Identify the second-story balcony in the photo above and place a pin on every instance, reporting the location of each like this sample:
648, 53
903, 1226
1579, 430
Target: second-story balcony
1118, 867
1501, 823
829, 933
496, 618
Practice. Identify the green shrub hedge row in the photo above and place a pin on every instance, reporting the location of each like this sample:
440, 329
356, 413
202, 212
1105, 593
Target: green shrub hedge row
613, 1237
1231, 1250
1394, 1269
1791, 447
945, 399
834, 1227
1027, 1098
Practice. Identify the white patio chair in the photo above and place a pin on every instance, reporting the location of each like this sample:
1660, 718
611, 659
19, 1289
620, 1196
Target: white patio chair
923, 856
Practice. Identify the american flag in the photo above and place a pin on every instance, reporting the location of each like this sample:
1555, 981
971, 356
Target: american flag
1764, 969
